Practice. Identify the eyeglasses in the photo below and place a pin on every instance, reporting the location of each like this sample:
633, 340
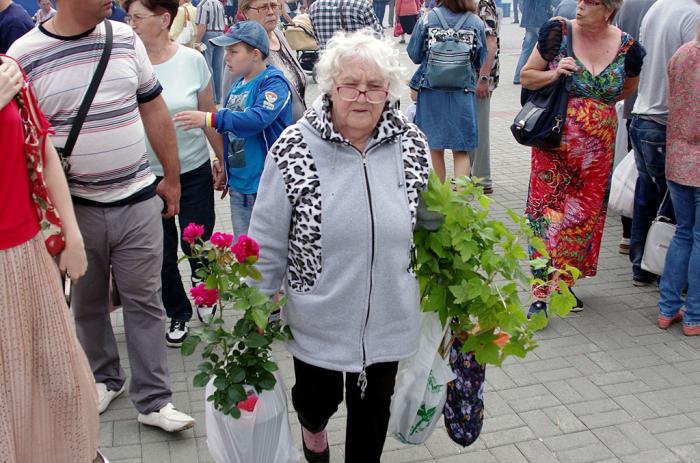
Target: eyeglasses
265, 8
589, 2
137, 18
373, 96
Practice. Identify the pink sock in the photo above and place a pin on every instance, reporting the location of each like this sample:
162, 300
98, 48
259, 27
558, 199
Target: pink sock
316, 442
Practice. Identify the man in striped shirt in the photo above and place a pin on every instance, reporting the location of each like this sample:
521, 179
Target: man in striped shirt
210, 20
117, 203
331, 16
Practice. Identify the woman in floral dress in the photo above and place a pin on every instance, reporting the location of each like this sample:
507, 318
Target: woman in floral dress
569, 186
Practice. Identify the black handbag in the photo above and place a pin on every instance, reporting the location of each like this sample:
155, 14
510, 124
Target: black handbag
540, 122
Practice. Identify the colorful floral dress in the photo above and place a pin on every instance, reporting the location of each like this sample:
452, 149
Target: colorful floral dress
569, 186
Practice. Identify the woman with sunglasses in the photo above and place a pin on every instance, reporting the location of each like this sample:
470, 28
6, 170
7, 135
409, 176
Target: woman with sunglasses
187, 85
267, 14
568, 195
48, 403
334, 218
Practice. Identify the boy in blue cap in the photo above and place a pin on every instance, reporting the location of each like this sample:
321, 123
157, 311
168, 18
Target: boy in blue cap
256, 110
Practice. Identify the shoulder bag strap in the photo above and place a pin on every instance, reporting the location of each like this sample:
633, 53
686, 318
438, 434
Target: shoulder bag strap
461, 21
569, 40
441, 18
90, 94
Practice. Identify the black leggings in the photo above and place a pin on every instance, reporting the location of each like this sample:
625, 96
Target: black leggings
318, 392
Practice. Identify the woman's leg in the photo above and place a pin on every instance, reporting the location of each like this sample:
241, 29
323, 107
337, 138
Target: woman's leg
462, 163
438, 158
368, 416
676, 270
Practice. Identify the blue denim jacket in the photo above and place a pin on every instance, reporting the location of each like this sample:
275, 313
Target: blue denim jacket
418, 45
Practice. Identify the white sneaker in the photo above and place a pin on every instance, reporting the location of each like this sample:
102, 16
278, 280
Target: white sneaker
105, 396
176, 334
168, 419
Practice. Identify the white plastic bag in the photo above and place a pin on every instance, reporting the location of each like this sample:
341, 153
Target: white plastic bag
420, 391
621, 134
187, 33
260, 436
624, 179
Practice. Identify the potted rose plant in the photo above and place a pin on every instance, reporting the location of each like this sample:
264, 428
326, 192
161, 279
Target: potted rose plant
246, 408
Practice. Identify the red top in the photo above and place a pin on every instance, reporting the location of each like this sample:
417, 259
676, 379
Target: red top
18, 219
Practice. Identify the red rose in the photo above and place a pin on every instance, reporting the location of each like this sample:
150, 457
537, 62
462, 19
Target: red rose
204, 296
52, 217
221, 240
248, 404
501, 339
192, 232
55, 244
245, 248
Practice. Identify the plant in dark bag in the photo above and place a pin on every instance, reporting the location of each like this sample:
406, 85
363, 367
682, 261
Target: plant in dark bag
540, 122
449, 54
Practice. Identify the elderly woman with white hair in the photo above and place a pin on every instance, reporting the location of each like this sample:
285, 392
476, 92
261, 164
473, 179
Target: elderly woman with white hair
334, 217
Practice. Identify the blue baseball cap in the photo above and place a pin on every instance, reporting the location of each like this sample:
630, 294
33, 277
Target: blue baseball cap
249, 32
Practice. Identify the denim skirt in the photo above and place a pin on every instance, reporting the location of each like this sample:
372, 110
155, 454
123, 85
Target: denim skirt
448, 119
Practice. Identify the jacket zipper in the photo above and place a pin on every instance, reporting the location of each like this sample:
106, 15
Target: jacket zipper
362, 378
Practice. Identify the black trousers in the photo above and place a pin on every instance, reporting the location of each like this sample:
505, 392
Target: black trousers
196, 205
318, 392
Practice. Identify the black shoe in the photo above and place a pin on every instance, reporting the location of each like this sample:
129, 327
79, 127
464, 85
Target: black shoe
641, 282
579, 303
315, 457
537, 307
176, 334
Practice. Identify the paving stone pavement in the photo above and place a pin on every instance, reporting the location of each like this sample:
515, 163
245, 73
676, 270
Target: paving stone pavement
604, 386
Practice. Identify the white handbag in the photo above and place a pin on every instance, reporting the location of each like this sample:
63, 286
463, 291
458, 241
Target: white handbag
658, 240
187, 33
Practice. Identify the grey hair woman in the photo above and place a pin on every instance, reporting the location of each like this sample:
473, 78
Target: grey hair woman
334, 218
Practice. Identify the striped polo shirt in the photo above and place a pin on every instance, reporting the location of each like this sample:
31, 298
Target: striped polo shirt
109, 164
211, 13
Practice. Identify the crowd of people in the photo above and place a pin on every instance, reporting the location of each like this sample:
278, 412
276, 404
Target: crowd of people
198, 99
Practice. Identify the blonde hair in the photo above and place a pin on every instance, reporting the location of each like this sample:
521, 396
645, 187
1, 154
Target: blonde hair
365, 46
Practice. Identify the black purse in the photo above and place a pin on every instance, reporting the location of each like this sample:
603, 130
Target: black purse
540, 122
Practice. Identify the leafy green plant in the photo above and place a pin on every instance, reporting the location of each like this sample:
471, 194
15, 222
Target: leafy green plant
237, 357
471, 269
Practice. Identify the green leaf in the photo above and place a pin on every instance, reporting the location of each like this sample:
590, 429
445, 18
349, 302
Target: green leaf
235, 394
254, 273
190, 344
220, 382
212, 282
236, 375
260, 318
200, 379
270, 366
255, 340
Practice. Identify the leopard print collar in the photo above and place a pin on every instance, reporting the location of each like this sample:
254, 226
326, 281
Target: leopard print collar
391, 123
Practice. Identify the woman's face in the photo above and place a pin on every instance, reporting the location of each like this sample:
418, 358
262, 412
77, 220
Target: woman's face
362, 115
264, 12
145, 22
592, 13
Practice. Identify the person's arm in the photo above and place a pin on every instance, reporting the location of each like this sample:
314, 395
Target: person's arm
535, 74
205, 103
482, 87
201, 25
72, 258
283, 12
178, 23
161, 136
416, 45
629, 87
11, 81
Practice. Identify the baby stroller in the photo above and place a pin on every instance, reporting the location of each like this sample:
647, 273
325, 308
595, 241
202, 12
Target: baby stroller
302, 39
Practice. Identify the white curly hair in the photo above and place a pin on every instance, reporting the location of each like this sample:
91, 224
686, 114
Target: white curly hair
363, 45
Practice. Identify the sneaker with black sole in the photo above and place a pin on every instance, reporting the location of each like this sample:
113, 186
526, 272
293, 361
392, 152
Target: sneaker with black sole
642, 282
313, 443
176, 334
624, 246
206, 313
537, 307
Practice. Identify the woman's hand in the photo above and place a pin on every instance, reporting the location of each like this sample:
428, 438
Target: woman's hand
567, 66
11, 81
73, 259
188, 120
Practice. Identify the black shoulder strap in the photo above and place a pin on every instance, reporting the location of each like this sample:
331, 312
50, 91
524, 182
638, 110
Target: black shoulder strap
569, 40
90, 94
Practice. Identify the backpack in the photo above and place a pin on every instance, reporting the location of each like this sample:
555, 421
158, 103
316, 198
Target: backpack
449, 57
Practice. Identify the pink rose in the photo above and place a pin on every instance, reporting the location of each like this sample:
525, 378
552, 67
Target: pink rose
204, 296
192, 232
248, 404
245, 248
221, 240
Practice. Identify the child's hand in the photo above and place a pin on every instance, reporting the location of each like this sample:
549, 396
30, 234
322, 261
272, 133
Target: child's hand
188, 120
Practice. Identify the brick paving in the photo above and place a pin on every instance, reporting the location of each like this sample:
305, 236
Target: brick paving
604, 386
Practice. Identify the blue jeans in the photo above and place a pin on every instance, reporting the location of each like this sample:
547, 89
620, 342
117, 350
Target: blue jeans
214, 57
529, 42
683, 258
241, 210
379, 10
196, 206
649, 144
515, 10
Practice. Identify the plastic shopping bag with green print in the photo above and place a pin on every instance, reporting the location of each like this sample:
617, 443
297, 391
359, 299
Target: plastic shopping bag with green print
421, 386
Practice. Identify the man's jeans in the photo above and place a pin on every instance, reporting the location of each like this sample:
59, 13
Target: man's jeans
529, 42
241, 210
683, 258
649, 143
215, 61
379, 10
515, 10
196, 206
